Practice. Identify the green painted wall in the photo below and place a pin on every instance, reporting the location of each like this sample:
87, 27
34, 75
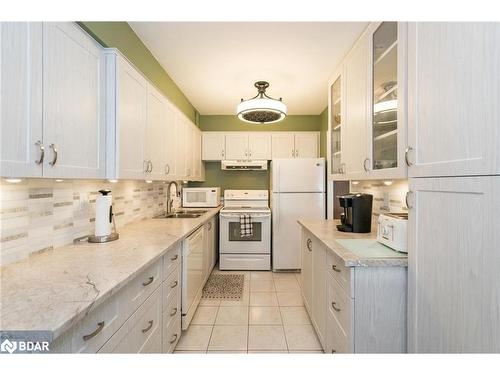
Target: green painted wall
324, 128
214, 176
121, 36
233, 123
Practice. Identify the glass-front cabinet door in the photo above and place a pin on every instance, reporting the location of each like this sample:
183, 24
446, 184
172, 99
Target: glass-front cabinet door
335, 114
386, 108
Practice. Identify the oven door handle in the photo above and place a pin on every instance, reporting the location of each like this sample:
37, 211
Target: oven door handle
258, 216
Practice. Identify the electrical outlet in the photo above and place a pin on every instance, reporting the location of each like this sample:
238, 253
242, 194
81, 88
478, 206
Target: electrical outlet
385, 205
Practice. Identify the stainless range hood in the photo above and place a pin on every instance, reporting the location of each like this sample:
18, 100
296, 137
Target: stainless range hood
244, 165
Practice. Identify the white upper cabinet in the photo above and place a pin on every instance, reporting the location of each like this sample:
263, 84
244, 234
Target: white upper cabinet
53, 108
21, 99
213, 146
156, 134
127, 119
73, 103
237, 146
387, 97
356, 111
259, 146
306, 144
172, 132
336, 165
283, 144
453, 99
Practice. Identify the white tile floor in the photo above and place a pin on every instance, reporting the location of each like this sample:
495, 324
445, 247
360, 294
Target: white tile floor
270, 318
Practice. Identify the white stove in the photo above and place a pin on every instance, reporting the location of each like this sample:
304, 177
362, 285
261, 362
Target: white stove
239, 252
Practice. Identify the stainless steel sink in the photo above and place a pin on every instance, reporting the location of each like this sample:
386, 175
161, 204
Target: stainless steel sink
178, 215
190, 211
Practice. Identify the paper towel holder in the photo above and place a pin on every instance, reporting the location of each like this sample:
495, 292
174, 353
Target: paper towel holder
114, 234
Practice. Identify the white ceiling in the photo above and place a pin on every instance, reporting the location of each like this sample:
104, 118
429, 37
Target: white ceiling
215, 63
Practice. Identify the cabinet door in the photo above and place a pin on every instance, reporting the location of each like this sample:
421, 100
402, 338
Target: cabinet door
336, 167
454, 93
181, 158
355, 124
213, 146
188, 148
156, 134
453, 237
283, 145
131, 119
306, 144
259, 146
319, 289
196, 152
306, 270
172, 134
236, 146
387, 130
21, 98
73, 103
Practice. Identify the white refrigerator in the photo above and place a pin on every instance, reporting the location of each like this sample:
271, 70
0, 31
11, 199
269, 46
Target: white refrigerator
297, 191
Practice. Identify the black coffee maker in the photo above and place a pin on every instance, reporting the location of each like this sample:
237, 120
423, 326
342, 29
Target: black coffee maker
357, 215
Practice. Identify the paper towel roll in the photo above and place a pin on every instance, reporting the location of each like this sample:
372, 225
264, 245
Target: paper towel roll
102, 209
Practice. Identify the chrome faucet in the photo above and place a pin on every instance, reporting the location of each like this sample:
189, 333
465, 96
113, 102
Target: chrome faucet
170, 201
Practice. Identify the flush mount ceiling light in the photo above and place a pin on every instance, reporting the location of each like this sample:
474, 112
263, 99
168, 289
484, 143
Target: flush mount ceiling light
261, 109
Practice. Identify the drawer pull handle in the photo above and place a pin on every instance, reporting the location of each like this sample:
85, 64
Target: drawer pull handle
174, 337
42, 152
334, 351
334, 306
309, 244
150, 280
98, 330
334, 267
174, 311
54, 160
148, 327
175, 257
174, 284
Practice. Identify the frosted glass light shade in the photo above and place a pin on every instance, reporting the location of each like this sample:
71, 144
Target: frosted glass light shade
261, 110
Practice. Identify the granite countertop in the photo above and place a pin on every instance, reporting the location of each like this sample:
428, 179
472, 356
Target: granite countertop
355, 249
53, 290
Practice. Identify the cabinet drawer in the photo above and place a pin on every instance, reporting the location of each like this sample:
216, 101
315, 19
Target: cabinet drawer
141, 333
340, 305
141, 287
173, 311
171, 260
171, 287
340, 272
336, 339
171, 335
99, 325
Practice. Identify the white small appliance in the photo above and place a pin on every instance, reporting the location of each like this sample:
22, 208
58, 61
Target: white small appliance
298, 192
237, 252
201, 197
244, 165
392, 230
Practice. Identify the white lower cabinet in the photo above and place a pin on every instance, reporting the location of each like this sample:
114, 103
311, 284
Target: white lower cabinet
353, 309
453, 237
143, 317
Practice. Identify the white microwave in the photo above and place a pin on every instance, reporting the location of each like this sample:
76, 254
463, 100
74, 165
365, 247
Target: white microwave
201, 197
392, 230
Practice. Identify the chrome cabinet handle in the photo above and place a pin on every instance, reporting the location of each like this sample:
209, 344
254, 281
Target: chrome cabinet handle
150, 325
334, 267
54, 160
407, 159
334, 306
407, 200
151, 166
174, 311
175, 257
174, 337
334, 351
145, 165
167, 168
309, 244
42, 152
293, 152
296, 153
209, 226
150, 280
174, 284
364, 164
98, 330
222, 153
